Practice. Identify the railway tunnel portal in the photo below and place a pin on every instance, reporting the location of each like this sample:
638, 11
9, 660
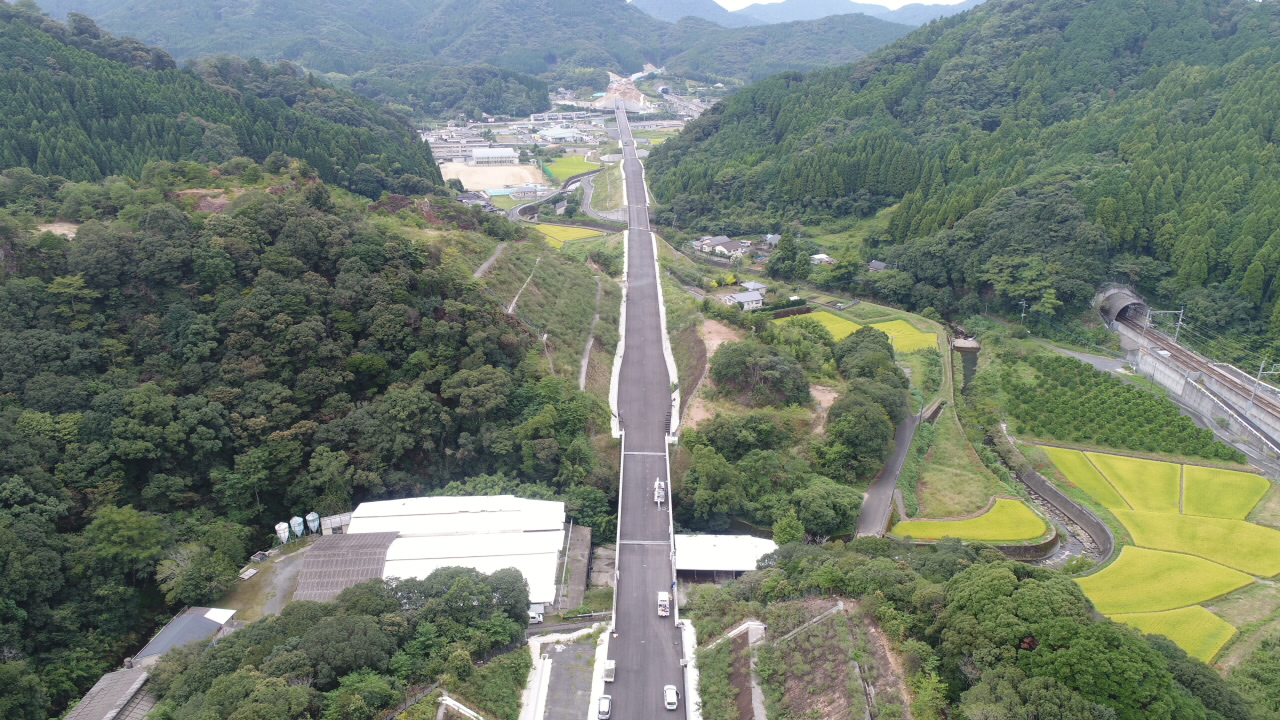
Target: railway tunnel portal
1241, 411
1120, 301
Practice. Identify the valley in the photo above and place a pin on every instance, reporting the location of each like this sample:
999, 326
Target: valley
516, 361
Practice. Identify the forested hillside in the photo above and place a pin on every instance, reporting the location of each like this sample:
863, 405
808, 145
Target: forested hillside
979, 636
82, 105
754, 53
175, 380
568, 42
1032, 148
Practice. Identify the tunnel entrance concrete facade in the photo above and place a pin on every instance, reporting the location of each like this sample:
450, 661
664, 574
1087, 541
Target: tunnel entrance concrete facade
1116, 300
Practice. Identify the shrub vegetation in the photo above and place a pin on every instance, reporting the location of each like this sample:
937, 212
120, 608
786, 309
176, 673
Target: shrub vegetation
1067, 400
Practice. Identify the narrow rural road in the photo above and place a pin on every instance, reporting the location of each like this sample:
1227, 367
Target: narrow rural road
646, 647
484, 266
875, 508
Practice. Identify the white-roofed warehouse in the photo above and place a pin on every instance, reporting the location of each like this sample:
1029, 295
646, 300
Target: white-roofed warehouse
720, 554
415, 536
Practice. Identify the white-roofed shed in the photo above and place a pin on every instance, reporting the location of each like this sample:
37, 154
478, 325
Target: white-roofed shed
720, 553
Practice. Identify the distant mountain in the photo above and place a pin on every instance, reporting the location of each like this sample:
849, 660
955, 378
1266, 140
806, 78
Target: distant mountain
84, 105
710, 10
792, 10
757, 52
559, 40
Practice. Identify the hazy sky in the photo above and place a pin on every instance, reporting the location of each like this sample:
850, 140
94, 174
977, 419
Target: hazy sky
891, 4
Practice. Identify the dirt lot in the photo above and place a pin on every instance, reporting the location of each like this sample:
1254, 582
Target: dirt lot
715, 333
496, 176
65, 229
823, 396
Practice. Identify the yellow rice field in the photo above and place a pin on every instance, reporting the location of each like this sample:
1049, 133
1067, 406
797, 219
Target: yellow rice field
1007, 521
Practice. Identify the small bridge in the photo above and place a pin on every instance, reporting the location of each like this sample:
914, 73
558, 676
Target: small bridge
1114, 300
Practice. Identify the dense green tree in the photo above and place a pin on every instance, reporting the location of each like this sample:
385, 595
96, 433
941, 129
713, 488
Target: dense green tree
760, 373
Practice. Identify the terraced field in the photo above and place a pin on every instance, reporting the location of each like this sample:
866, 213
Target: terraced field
1143, 580
1220, 493
1194, 629
1007, 521
905, 337
1147, 485
1081, 473
839, 327
557, 235
1234, 543
1192, 543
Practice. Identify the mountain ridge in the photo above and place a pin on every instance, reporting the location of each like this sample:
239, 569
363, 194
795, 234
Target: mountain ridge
793, 10
555, 40
1149, 125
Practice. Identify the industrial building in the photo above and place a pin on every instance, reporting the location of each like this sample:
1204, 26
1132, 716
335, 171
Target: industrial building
494, 156
413, 537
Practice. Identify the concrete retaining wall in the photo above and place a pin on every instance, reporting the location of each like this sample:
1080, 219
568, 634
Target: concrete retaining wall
1196, 393
1080, 515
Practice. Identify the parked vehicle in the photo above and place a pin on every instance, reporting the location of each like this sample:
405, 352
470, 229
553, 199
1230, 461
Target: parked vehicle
664, 604
604, 707
670, 697
659, 491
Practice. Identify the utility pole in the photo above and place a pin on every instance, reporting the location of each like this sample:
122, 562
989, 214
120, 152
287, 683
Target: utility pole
1177, 327
1023, 303
1142, 348
1262, 370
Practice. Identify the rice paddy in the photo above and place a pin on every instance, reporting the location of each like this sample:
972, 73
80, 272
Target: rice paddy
1143, 580
1007, 521
905, 337
1192, 543
1147, 485
1220, 493
1081, 473
839, 327
1194, 629
557, 235
1235, 543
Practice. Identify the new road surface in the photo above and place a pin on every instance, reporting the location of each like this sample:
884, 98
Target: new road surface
645, 647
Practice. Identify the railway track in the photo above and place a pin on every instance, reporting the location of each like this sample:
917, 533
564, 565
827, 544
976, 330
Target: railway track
1190, 359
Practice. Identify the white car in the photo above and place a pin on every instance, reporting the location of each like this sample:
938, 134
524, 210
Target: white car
604, 708
670, 697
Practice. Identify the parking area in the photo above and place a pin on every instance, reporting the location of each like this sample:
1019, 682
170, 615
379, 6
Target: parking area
569, 693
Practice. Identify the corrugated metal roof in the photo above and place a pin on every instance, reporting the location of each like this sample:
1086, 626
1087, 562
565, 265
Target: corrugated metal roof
457, 515
336, 562
192, 625
736, 553
117, 695
493, 153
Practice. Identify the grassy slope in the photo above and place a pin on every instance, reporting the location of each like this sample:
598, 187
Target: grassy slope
953, 481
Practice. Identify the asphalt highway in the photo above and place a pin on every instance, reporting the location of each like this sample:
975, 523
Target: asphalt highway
645, 647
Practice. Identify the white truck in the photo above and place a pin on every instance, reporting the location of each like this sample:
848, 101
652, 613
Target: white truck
659, 491
664, 604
